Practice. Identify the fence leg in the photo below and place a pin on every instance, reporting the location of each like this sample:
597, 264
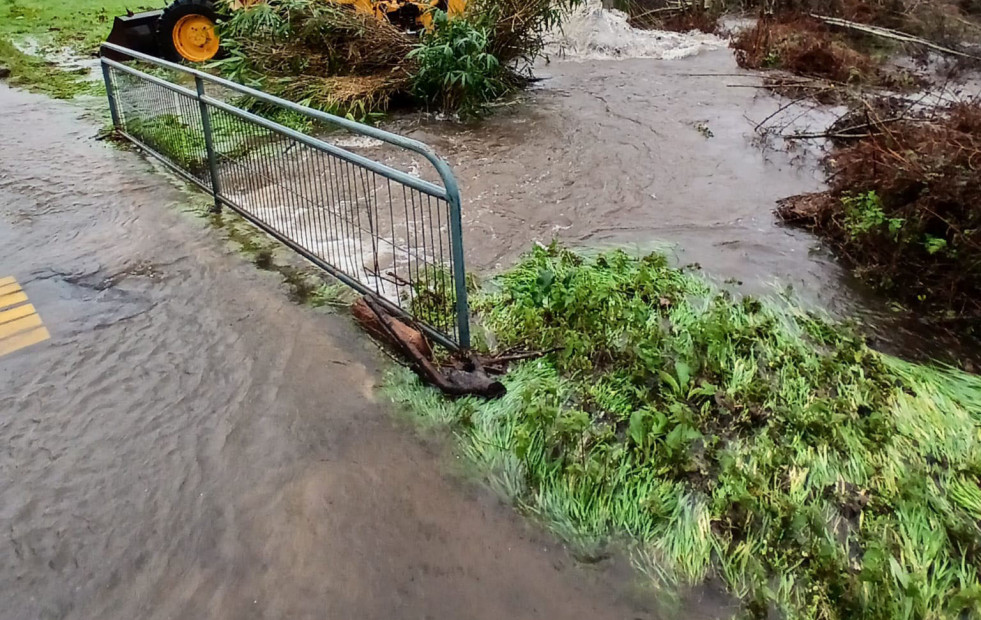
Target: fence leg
111, 94
209, 144
459, 269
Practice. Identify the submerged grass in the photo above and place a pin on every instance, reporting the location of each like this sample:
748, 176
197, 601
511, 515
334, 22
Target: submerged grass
76, 25
33, 73
730, 438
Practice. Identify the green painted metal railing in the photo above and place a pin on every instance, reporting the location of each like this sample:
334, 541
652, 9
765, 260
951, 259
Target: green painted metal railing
382, 231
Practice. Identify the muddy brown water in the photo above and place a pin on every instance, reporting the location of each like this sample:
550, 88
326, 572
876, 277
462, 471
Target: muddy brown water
190, 444
612, 153
648, 154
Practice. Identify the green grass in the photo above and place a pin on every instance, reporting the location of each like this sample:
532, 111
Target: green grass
35, 74
726, 437
79, 25
184, 143
169, 135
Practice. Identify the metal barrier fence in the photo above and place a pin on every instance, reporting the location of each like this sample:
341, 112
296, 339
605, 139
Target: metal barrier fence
384, 232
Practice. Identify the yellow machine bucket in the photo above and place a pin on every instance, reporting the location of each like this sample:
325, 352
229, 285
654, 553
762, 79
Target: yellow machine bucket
409, 15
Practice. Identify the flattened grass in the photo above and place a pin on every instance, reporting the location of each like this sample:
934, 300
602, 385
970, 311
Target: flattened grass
736, 438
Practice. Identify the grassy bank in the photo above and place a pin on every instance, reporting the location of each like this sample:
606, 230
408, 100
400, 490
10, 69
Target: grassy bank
76, 25
731, 438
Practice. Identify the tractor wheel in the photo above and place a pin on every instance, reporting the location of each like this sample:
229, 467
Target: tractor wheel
186, 31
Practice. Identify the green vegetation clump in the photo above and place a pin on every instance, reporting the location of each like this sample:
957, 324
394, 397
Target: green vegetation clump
727, 437
181, 139
169, 135
455, 70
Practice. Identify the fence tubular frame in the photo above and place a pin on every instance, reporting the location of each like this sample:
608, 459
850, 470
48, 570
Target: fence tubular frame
449, 192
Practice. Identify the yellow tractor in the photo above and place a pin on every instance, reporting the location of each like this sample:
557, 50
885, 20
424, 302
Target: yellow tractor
185, 30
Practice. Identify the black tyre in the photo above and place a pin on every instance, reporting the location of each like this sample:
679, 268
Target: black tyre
186, 31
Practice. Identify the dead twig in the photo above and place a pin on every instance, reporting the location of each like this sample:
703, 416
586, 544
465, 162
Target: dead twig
469, 379
517, 357
888, 33
845, 134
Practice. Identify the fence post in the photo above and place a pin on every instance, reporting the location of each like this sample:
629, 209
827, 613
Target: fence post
209, 143
459, 269
111, 94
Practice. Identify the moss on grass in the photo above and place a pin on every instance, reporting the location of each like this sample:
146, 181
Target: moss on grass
734, 438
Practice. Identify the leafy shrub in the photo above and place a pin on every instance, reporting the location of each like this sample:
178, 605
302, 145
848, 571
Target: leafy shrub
455, 70
518, 27
904, 208
864, 215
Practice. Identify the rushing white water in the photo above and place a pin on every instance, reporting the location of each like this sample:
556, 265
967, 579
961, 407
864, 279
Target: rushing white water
590, 32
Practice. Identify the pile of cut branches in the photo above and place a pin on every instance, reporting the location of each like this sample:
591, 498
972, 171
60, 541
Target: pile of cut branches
318, 53
334, 58
806, 46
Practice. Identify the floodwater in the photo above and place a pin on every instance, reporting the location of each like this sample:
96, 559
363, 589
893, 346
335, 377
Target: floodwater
644, 153
190, 444
650, 154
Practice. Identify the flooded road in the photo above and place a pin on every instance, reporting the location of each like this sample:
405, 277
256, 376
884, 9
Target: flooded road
189, 444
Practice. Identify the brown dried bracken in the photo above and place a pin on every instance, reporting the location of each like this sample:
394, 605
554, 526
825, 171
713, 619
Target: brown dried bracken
920, 233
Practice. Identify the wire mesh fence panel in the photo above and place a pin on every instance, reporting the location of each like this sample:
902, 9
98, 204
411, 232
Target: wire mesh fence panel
387, 233
393, 239
163, 120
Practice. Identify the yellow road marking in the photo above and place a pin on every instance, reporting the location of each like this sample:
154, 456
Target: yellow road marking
26, 339
16, 313
20, 325
12, 299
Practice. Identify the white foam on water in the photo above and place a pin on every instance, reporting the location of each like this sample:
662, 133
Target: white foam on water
356, 141
590, 32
